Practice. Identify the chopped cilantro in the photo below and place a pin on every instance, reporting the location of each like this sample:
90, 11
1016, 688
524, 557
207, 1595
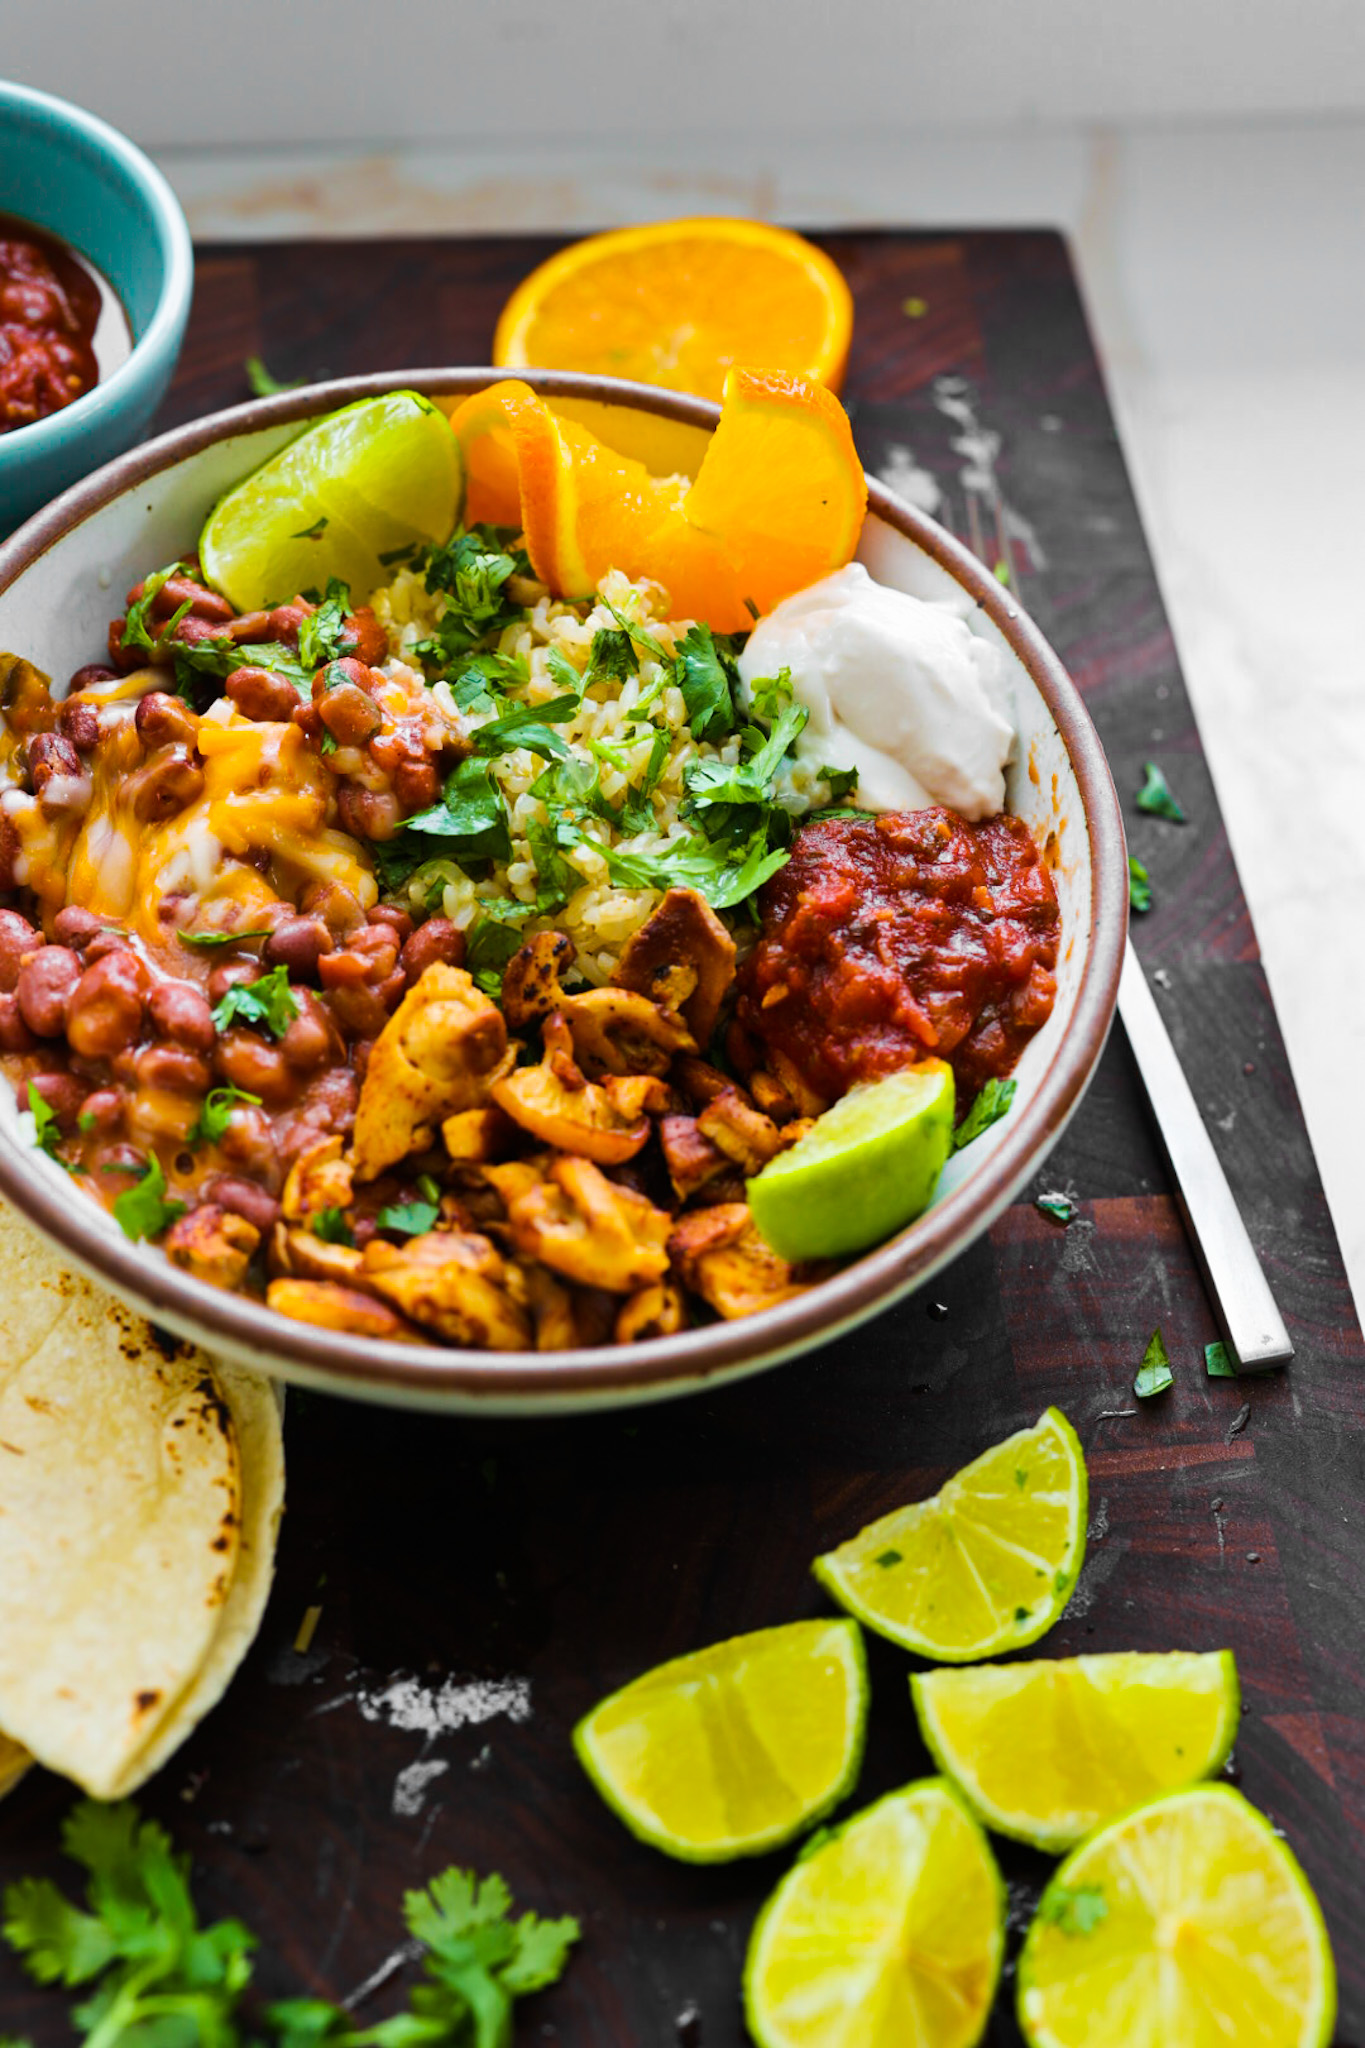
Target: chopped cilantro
262, 384
1156, 796
991, 1104
886, 1558
392, 558
315, 531
612, 656
216, 1114
142, 1210
204, 661
641, 635
556, 878
1074, 1909
528, 725
725, 877
492, 941
408, 1219
87, 1120
269, 1001
469, 823
136, 631
731, 799
1060, 1208
328, 743
1154, 1373
471, 572
1139, 885
708, 677
840, 782
563, 674
211, 939
321, 633
1219, 1362
331, 1226
47, 1133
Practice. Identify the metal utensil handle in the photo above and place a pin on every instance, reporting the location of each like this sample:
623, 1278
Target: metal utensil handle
1241, 1294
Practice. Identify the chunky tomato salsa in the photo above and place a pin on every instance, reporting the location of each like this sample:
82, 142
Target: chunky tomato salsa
890, 940
50, 307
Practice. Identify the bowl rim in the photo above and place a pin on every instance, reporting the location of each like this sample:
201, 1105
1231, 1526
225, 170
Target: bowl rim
162, 333
382, 1369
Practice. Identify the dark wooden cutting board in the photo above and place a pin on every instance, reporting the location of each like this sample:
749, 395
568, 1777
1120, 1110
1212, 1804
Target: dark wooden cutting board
531, 1567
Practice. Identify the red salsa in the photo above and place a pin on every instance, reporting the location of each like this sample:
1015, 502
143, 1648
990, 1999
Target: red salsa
888, 941
61, 325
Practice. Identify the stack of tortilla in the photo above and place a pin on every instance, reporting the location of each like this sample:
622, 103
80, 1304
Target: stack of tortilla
141, 1489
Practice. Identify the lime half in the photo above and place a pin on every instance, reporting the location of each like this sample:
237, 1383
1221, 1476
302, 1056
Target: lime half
887, 1935
1186, 1924
379, 476
736, 1748
863, 1171
1050, 1750
986, 1565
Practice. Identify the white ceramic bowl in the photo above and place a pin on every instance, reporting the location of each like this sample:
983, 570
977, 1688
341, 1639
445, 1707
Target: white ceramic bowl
62, 577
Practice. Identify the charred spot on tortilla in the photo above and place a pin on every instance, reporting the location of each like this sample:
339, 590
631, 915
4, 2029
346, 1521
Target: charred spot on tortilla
146, 1701
10, 1447
168, 1343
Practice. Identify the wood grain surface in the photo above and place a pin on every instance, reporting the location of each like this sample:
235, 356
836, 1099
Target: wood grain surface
501, 1577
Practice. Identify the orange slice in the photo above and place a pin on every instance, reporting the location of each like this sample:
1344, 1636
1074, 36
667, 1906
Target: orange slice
778, 501
678, 303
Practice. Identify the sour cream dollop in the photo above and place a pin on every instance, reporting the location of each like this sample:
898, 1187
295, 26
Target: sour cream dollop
896, 687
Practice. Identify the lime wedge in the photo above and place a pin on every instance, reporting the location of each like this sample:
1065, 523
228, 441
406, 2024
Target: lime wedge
986, 1565
1050, 1750
1186, 1924
737, 1748
377, 476
863, 1171
887, 1935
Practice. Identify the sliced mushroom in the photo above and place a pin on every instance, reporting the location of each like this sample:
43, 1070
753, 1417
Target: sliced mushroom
474, 1136
700, 1082
455, 1282
438, 1054
719, 1254
318, 1179
740, 1131
552, 1309
656, 1311
530, 981
690, 1157
302, 1256
346, 1309
560, 1108
616, 1031
683, 957
213, 1244
586, 1227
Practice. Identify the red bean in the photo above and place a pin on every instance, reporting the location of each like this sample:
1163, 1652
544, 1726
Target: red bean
244, 1198
285, 621
45, 987
173, 1068
367, 813
249, 626
81, 722
437, 939
203, 603
86, 678
307, 720
332, 1099
348, 714
161, 720
232, 974
249, 1142
311, 1037
15, 1035
244, 1059
104, 1015
389, 913
336, 906
17, 937
57, 774
116, 1159
359, 1009
417, 785
74, 926
169, 782
378, 943
182, 1014
261, 695
103, 1110
297, 943
363, 636
343, 673
62, 1093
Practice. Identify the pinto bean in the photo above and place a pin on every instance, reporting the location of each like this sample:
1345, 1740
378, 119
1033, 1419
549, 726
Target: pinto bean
389, 913
166, 785
80, 722
307, 720
378, 943
62, 1093
125, 659
191, 632
343, 673
15, 1035
249, 1142
336, 906
249, 626
161, 720
437, 939
115, 1159
10, 850
45, 987
105, 942
181, 1014
17, 937
86, 678
367, 813
232, 974
75, 926
332, 1098
104, 1014
359, 1009
58, 775
178, 590
173, 1067
103, 1110
244, 1058
363, 636
311, 1038
416, 784
297, 943
285, 621
349, 715
260, 694
244, 1198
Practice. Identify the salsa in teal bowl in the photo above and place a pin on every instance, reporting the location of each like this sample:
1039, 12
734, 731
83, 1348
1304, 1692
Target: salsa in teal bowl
77, 182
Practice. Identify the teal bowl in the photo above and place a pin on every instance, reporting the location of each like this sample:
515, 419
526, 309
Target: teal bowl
65, 171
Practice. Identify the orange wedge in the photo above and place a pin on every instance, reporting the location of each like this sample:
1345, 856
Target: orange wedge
778, 501
678, 303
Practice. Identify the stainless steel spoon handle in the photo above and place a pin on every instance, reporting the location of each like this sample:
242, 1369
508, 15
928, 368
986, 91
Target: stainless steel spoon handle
1240, 1292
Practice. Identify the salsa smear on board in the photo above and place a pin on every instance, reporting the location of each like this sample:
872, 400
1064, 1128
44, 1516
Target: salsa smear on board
61, 326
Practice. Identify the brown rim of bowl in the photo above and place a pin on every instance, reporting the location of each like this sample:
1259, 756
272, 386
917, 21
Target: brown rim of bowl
372, 1368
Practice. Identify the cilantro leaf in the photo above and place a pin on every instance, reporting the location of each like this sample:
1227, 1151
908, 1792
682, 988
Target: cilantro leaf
409, 1219
331, 1226
556, 878
612, 656
527, 725
492, 941
1060, 1208
216, 1114
708, 677
208, 940
1156, 797
262, 384
136, 631
990, 1105
729, 797
641, 635
1139, 885
1075, 1909
142, 1210
840, 782
47, 1134
1219, 1362
1154, 1374
471, 572
469, 823
725, 877
321, 633
268, 1001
